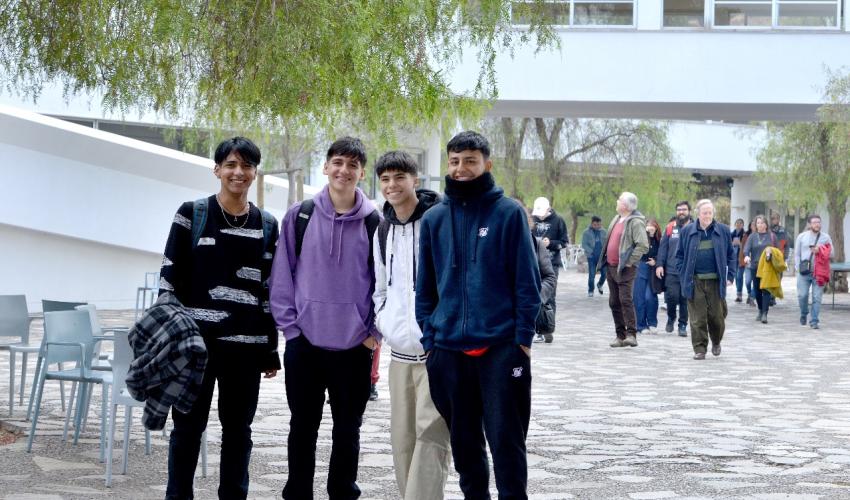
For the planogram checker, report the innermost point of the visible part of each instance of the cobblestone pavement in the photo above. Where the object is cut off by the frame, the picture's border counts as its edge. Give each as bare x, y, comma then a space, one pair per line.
768, 419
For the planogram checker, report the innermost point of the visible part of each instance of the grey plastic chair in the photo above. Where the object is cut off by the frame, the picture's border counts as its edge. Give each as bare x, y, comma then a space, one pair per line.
68, 339
15, 325
50, 306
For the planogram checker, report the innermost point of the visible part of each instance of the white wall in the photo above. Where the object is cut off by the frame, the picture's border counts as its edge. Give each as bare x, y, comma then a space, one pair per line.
45, 266
678, 67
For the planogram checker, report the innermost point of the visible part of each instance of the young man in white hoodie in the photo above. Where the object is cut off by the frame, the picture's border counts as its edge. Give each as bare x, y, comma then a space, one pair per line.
419, 435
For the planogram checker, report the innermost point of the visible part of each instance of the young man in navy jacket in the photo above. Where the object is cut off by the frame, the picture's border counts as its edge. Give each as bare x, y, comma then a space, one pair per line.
477, 296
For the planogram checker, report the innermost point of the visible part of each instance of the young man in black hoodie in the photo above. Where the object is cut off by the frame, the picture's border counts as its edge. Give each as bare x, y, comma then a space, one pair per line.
477, 298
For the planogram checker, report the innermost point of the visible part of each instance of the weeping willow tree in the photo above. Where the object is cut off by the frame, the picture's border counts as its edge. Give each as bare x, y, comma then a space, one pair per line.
271, 65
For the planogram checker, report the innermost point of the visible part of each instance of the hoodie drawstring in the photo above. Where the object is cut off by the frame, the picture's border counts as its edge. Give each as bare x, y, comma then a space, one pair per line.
392, 256
413, 252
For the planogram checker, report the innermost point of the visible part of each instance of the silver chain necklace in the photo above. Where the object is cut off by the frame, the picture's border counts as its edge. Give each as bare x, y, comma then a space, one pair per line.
224, 214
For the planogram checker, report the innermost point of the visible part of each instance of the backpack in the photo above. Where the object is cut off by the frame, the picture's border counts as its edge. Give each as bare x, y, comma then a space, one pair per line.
199, 220
305, 212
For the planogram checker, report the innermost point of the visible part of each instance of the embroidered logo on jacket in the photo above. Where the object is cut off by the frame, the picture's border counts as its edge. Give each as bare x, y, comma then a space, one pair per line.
517, 372
482, 231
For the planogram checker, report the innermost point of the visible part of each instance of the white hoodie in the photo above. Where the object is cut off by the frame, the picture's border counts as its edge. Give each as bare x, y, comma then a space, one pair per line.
395, 297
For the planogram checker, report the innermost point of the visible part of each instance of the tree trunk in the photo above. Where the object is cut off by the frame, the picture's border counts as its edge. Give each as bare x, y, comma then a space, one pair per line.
837, 211
573, 227
549, 144
292, 190
261, 190
513, 152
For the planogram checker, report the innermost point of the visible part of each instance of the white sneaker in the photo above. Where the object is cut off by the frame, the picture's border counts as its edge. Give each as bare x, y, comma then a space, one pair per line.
653, 330
645, 331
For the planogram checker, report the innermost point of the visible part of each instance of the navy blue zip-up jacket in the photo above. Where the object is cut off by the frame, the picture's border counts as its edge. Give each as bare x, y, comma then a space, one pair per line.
725, 256
478, 283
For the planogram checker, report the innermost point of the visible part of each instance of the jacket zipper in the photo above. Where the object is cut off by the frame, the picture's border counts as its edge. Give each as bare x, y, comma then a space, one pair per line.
463, 232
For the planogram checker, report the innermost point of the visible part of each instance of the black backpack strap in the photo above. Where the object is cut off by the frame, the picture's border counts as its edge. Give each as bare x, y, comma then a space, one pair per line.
268, 228
383, 232
372, 222
301, 221
199, 219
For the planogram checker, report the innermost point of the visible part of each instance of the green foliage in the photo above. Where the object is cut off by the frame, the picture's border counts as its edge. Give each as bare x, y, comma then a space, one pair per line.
375, 63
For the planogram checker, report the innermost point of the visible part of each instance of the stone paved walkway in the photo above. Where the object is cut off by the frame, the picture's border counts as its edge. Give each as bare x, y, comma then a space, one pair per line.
768, 419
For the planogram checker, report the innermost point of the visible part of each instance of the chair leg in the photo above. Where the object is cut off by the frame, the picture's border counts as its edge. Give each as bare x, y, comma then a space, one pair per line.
62, 390
11, 382
23, 377
39, 393
104, 407
82, 395
204, 454
147, 442
85, 407
128, 421
68, 412
38, 366
110, 442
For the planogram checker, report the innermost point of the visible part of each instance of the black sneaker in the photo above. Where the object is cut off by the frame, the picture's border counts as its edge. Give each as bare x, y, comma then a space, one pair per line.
548, 338
815, 326
599, 288
803, 320
373, 393
669, 327
683, 331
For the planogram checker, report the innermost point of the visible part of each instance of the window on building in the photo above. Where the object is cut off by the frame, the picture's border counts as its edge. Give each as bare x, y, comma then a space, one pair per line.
684, 13
576, 12
777, 13
558, 13
805, 13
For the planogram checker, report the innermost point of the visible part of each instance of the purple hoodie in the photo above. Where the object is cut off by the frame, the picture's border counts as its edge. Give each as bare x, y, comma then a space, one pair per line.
326, 294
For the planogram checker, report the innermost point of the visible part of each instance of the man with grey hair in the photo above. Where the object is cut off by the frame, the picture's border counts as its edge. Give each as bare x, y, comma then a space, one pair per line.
623, 248
707, 265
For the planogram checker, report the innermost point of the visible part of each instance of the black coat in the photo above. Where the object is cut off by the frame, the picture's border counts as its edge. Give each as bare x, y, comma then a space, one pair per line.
553, 227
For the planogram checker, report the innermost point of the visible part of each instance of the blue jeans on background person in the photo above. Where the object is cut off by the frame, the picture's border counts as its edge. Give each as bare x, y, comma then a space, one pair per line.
646, 302
739, 282
591, 273
748, 280
804, 282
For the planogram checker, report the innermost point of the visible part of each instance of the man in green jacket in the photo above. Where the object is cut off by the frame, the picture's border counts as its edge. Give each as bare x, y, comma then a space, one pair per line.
623, 248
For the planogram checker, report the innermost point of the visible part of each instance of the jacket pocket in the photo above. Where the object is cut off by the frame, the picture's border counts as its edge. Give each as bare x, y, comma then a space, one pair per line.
339, 321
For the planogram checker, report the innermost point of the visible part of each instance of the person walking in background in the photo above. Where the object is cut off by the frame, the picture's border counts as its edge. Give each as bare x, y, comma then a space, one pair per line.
810, 249
753, 249
645, 296
748, 275
591, 242
551, 228
707, 265
737, 245
625, 245
548, 282
667, 269
419, 435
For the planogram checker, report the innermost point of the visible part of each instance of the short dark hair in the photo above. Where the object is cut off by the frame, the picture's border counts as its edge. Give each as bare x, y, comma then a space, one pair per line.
684, 202
351, 147
813, 216
247, 150
469, 141
400, 161
595, 218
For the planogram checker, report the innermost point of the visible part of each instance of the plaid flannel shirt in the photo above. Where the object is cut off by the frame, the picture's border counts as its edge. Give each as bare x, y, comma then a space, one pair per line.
169, 361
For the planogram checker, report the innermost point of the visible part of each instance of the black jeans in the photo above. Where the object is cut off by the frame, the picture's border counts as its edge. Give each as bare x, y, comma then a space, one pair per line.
762, 296
487, 396
238, 391
311, 370
673, 297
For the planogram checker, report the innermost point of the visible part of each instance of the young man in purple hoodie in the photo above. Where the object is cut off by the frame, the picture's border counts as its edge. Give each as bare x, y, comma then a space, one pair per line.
321, 298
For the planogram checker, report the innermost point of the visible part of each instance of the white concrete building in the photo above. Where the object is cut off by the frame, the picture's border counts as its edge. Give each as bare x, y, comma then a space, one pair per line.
88, 211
